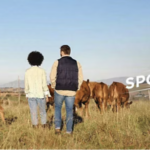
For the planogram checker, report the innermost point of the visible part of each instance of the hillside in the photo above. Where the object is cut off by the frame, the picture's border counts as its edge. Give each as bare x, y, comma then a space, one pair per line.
111, 80
14, 84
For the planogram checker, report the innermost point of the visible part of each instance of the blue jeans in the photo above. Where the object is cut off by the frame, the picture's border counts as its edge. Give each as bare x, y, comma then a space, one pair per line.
33, 103
69, 102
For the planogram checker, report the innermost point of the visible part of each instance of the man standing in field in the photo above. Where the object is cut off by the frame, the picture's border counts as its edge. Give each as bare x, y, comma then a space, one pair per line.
66, 78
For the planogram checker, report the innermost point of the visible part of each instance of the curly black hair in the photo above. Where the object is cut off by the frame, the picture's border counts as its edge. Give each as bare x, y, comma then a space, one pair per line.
35, 58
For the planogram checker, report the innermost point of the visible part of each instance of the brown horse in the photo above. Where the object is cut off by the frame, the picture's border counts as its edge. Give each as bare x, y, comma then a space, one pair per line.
119, 96
83, 97
99, 92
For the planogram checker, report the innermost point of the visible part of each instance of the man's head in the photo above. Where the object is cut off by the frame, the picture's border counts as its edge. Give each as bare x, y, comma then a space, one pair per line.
65, 50
35, 58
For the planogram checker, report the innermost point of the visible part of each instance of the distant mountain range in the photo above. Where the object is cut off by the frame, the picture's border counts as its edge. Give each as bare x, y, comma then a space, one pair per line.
14, 84
117, 79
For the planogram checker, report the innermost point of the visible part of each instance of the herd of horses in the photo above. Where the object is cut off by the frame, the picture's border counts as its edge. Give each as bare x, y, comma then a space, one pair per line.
116, 96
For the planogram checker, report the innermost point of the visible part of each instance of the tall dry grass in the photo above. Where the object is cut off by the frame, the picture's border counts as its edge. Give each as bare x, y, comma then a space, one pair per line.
129, 129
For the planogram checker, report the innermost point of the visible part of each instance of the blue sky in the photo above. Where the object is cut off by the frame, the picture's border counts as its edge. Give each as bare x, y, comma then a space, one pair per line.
110, 38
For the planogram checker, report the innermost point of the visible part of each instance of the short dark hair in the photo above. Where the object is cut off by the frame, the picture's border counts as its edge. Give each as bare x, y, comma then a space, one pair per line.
66, 49
35, 58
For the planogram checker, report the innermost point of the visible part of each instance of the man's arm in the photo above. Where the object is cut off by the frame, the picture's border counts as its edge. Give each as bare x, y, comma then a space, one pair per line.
80, 76
53, 74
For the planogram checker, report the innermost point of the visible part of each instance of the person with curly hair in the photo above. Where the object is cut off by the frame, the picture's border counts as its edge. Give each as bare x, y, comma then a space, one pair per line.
36, 89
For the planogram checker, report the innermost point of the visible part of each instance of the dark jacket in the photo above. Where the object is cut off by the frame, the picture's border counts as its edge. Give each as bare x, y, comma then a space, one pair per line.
67, 74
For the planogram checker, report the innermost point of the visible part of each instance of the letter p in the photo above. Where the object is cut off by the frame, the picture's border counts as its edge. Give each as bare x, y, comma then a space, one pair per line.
138, 81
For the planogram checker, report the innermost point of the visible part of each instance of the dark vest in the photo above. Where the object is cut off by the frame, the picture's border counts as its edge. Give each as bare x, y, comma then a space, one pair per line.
67, 74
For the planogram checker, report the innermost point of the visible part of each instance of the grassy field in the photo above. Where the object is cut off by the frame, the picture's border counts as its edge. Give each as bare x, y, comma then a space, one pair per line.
130, 129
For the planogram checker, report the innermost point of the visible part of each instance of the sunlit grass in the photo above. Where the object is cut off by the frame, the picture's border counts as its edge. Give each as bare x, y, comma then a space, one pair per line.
127, 129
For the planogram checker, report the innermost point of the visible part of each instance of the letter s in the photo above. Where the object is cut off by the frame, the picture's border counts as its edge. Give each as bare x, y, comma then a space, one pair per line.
128, 81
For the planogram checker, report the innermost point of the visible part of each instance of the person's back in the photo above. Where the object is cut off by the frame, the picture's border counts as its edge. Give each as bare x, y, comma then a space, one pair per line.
35, 77
66, 78
67, 74
36, 88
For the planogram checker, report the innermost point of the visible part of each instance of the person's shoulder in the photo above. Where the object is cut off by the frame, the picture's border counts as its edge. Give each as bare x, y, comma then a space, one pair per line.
55, 62
27, 70
79, 65
41, 69
74, 59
